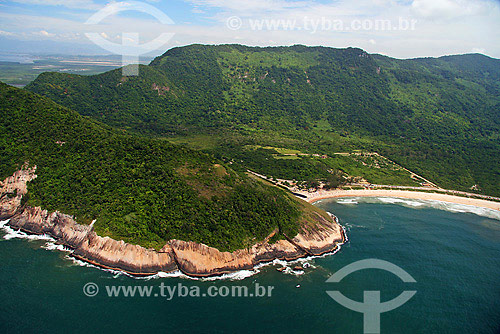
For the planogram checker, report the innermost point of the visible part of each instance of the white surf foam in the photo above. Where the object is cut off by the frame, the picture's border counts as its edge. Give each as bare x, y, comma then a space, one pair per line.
447, 206
393, 200
10, 233
305, 262
238, 275
53, 246
89, 265
454, 207
161, 274
348, 200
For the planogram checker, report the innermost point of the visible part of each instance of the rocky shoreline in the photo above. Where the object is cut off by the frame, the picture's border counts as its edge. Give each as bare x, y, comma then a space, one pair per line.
190, 258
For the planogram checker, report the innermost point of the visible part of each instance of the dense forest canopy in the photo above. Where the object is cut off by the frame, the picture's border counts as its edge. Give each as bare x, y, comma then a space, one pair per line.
142, 190
437, 116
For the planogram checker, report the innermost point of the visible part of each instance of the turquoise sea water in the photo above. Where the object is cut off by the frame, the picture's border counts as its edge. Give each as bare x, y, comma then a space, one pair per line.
454, 257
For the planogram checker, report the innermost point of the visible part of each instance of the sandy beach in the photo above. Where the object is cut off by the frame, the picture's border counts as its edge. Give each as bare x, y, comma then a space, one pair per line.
323, 194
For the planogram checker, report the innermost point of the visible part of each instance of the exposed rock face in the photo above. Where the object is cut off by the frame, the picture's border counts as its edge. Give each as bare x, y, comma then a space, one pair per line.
88, 246
134, 259
189, 257
322, 239
12, 190
61, 227
200, 260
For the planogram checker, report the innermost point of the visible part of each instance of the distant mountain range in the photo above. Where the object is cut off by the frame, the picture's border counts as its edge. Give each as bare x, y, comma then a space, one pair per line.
436, 116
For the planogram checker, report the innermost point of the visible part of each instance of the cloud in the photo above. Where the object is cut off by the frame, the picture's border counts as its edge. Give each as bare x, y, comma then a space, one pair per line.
252, 7
478, 50
44, 33
447, 9
6, 33
197, 10
443, 26
80, 4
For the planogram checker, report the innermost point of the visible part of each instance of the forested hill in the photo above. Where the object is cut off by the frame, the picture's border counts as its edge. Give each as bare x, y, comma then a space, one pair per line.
437, 116
144, 191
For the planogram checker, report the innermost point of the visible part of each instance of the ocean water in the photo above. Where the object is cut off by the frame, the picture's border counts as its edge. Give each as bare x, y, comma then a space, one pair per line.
452, 251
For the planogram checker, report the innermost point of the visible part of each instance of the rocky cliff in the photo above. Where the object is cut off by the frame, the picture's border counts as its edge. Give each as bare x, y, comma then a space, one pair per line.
12, 190
191, 258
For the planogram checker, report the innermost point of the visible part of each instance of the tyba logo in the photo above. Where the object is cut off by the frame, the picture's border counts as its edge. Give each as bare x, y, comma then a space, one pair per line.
371, 307
129, 49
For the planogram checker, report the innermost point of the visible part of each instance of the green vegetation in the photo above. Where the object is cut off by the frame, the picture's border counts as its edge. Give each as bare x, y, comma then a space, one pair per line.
438, 117
375, 169
142, 190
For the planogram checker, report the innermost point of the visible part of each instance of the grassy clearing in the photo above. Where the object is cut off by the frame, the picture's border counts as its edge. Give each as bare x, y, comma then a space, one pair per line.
374, 169
280, 150
286, 157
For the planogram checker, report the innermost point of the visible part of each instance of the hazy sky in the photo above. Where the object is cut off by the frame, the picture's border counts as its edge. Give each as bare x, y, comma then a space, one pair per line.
403, 29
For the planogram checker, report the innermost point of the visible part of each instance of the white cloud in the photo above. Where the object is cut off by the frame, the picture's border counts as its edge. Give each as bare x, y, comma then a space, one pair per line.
443, 27
81, 4
255, 6
44, 33
197, 10
6, 33
447, 9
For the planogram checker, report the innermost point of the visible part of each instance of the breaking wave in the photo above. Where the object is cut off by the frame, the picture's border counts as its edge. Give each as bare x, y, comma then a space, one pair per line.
51, 245
420, 203
10, 233
348, 200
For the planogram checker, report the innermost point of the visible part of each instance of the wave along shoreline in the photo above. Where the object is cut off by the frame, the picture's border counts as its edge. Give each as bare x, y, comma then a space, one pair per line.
416, 203
52, 245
